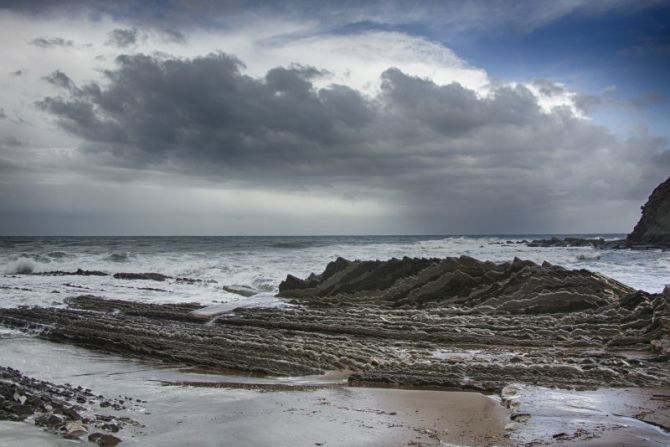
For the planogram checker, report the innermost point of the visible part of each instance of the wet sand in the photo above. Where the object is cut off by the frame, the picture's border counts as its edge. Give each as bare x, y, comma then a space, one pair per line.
323, 410
603, 417
240, 411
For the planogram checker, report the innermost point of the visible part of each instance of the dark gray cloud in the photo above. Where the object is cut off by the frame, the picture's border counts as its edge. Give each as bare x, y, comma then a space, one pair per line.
19, 73
440, 152
171, 35
10, 141
123, 38
60, 79
52, 42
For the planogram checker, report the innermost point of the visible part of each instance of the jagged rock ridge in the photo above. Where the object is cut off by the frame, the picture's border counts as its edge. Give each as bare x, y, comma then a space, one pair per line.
512, 287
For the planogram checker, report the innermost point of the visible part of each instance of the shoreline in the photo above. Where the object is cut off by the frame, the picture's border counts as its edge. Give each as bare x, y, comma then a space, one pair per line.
394, 335
342, 415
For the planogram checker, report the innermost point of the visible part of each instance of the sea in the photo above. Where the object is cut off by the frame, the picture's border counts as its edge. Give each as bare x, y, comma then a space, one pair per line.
221, 264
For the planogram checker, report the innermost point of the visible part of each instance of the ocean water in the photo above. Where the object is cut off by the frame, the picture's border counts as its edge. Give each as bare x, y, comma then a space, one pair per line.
262, 263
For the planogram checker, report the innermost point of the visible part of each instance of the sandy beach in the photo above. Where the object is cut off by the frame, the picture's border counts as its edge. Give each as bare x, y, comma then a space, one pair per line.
247, 411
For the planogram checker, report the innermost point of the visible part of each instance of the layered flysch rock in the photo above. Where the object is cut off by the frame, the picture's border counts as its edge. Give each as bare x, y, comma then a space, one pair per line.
455, 322
517, 287
653, 229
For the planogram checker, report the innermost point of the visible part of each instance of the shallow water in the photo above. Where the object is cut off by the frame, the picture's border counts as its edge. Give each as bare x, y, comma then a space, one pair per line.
262, 263
603, 417
329, 413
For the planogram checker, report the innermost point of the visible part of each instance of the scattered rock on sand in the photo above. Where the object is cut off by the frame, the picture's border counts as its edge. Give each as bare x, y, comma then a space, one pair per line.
53, 407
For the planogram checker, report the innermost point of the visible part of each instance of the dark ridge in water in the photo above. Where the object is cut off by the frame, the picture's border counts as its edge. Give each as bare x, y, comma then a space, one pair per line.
298, 243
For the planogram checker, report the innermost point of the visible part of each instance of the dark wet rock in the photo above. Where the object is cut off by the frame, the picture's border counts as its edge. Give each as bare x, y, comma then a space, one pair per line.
51, 406
450, 323
195, 281
578, 242
114, 428
520, 417
52, 421
179, 311
144, 276
653, 229
78, 272
71, 413
104, 440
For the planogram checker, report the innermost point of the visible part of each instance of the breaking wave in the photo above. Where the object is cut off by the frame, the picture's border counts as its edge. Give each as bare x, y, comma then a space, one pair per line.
119, 257
20, 267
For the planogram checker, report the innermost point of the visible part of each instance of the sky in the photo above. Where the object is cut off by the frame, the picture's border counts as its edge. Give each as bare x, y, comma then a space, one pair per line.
312, 117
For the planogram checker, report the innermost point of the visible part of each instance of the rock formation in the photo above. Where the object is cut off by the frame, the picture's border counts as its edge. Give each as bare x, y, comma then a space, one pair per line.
517, 287
653, 229
451, 323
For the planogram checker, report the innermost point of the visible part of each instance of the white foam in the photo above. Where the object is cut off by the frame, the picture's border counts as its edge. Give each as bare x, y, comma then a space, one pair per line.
263, 264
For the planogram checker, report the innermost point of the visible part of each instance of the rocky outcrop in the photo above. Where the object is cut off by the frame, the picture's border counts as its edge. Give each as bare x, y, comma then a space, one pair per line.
578, 242
517, 287
451, 323
653, 229
142, 276
78, 272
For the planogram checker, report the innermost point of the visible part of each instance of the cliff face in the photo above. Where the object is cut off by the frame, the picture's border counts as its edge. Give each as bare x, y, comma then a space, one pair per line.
654, 226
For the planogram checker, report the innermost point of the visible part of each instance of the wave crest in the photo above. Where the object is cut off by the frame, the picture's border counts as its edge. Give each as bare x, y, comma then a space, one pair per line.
20, 267
119, 257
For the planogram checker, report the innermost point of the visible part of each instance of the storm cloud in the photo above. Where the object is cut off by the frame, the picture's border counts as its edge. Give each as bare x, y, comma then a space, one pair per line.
438, 151
326, 117
123, 38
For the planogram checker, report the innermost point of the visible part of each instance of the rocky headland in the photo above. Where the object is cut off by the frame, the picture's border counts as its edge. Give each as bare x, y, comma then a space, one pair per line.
654, 226
651, 231
454, 323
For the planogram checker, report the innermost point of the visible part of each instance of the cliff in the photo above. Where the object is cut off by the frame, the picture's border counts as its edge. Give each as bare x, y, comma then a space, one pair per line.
654, 225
